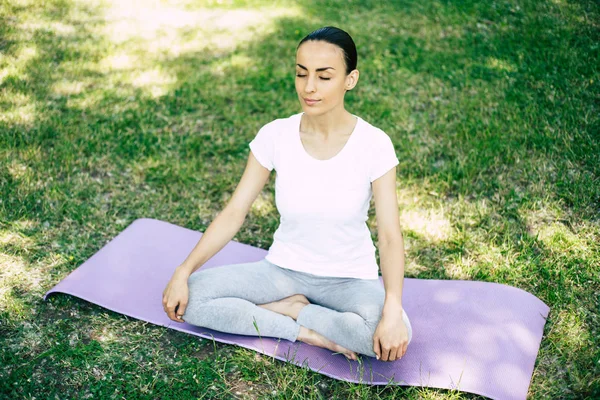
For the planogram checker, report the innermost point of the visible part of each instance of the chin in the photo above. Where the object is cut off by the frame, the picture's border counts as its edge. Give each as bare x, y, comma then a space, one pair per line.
312, 110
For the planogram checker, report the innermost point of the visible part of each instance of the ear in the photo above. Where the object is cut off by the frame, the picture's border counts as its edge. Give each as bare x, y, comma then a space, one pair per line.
352, 79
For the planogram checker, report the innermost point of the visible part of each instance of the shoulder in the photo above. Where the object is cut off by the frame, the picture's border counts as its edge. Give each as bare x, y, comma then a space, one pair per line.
373, 136
280, 125
379, 151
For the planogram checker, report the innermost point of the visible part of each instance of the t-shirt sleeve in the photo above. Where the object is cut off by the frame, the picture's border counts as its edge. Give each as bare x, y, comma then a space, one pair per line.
383, 156
263, 147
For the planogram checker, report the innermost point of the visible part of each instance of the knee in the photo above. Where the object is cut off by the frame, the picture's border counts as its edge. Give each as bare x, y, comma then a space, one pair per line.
362, 341
371, 313
201, 287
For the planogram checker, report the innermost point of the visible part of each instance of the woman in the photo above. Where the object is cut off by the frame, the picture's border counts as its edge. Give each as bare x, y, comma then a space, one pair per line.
319, 282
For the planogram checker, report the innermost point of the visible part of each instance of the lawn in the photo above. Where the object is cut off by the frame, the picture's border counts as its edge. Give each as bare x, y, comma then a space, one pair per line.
116, 110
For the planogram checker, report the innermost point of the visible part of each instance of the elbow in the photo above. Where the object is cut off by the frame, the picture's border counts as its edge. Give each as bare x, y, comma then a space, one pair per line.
234, 213
391, 240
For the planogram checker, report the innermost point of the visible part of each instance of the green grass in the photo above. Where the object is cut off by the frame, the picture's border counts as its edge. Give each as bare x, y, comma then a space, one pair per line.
110, 113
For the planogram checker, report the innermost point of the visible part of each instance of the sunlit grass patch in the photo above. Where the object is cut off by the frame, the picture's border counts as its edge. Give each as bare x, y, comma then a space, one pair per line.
18, 107
430, 224
263, 205
570, 330
558, 237
501, 65
15, 277
160, 25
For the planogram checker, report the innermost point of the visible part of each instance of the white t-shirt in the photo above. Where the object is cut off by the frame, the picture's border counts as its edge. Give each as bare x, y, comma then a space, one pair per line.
324, 203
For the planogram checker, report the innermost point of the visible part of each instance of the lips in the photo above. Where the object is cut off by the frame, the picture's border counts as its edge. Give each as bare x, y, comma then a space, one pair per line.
311, 102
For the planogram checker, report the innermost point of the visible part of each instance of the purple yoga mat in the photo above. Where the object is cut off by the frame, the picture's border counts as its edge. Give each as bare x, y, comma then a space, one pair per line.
472, 336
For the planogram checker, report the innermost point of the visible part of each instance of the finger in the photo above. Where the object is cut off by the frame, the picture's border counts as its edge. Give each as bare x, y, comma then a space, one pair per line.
404, 348
181, 310
392, 355
398, 352
376, 347
171, 312
385, 353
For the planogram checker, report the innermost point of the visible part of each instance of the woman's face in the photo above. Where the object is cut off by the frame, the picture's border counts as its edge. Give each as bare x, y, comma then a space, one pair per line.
321, 77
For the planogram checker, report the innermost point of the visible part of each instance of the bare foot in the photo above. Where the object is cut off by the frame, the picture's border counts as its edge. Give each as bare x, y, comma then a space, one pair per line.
311, 337
289, 306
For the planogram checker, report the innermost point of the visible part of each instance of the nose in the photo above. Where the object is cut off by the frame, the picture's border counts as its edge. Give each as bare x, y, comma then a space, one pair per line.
310, 85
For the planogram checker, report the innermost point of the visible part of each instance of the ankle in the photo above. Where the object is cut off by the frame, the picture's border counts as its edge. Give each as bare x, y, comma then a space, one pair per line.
305, 334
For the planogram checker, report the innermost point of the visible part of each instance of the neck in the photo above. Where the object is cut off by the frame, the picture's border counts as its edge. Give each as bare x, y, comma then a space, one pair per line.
330, 123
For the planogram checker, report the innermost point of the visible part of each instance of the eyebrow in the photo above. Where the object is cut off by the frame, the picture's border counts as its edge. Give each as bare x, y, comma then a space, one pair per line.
318, 69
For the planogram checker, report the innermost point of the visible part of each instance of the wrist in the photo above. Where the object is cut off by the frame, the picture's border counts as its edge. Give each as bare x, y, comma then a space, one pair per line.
392, 303
183, 271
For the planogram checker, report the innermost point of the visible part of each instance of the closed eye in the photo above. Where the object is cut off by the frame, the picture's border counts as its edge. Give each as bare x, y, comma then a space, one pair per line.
302, 76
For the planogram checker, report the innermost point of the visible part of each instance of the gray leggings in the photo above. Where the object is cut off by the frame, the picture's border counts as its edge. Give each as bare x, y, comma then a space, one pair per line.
344, 310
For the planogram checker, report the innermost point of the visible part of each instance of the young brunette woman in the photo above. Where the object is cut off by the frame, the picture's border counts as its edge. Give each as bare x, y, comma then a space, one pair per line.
319, 282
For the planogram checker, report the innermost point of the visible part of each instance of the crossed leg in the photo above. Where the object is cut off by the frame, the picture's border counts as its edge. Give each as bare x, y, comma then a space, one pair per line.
226, 299
291, 306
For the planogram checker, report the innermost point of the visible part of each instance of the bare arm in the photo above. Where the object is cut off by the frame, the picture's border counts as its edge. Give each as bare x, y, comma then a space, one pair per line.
391, 336
217, 235
391, 243
225, 226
